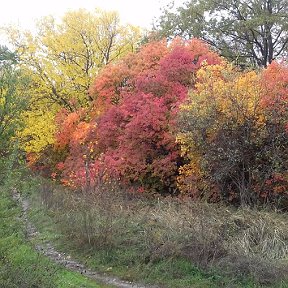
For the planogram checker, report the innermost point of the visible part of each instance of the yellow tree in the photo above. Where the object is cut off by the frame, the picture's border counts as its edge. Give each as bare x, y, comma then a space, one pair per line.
223, 130
61, 57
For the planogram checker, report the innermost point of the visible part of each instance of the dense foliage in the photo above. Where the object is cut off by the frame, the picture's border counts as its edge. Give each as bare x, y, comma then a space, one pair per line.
60, 58
130, 131
226, 141
234, 133
13, 102
169, 117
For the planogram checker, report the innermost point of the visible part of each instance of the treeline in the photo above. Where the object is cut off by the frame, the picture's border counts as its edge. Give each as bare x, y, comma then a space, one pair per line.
169, 116
178, 119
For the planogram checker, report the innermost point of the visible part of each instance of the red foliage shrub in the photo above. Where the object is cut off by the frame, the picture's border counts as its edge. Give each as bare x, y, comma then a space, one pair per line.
131, 128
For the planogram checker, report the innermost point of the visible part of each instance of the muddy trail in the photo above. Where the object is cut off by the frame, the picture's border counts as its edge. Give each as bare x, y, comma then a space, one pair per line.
47, 248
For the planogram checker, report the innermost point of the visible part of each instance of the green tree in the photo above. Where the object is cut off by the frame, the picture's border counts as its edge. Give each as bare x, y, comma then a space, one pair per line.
246, 31
13, 100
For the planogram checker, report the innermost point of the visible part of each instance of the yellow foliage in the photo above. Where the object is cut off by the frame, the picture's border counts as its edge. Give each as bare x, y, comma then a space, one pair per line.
233, 94
62, 58
38, 132
221, 95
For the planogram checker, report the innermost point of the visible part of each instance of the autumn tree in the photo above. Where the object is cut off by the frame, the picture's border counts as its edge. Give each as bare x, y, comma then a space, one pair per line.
234, 147
61, 57
247, 32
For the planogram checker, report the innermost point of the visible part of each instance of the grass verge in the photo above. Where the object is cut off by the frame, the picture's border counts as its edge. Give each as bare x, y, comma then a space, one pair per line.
20, 265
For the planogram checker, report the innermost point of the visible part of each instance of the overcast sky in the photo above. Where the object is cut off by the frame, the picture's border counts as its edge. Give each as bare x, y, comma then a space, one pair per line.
25, 12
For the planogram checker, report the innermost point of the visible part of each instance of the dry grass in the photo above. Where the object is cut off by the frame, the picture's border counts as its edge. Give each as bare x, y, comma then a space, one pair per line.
240, 243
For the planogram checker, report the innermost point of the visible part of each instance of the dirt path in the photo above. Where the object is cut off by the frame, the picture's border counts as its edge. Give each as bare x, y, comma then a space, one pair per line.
49, 250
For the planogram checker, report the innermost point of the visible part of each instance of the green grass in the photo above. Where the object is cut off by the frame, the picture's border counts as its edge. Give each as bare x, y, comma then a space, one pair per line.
20, 265
170, 273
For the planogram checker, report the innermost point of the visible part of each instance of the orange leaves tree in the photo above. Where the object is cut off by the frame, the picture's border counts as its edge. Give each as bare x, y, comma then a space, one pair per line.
130, 127
233, 135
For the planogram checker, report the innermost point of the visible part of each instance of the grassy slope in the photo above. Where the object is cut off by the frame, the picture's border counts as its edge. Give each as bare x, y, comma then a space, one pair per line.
121, 262
127, 262
20, 264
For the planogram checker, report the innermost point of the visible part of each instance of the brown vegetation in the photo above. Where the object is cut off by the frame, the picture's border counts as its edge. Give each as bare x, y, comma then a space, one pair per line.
241, 243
